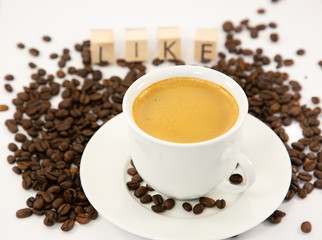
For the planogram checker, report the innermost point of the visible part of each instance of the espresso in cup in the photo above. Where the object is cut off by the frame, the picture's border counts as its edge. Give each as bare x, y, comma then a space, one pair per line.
185, 110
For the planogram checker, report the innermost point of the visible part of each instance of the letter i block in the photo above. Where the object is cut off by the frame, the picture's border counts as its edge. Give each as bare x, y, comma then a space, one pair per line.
206, 45
169, 45
102, 46
136, 44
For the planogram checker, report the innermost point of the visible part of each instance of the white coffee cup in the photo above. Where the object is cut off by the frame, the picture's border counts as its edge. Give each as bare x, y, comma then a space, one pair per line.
189, 170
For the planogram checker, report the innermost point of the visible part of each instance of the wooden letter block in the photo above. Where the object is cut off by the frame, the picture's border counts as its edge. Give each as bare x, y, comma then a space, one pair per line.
136, 45
206, 45
169, 45
102, 46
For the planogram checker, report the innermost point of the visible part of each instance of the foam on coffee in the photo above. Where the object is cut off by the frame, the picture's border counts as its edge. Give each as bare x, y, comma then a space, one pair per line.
185, 110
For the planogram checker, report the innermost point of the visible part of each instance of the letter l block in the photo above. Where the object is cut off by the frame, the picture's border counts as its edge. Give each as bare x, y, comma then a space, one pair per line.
102, 46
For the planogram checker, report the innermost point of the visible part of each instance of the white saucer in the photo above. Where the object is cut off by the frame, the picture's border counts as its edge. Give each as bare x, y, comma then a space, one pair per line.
103, 175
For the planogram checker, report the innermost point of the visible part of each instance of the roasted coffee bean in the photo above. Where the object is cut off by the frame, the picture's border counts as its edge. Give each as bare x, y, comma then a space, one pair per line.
137, 178
34, 52
140, 191
82, 218
198, 208
309, 165
315, 146
236, 178
46, 38
306, 227
220, 203
207, 202
48, 197
228, 26
30, 202
302, 193
12, 147
169, 203
23, 213
187, 206
298, 145
304, 176
300, 52
48, 221
276, 217
21, 45
8, 87
158, 208
318, 184
132, 171
146, 199
39, 203
64, 209
19, 137
318, 174
9, 77
274, 37
68, 225
308, 187
132, 185
157, 199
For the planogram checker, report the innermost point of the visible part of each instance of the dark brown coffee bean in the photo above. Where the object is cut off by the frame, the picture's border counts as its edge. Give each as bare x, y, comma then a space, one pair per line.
304, 176
21, 45
236, 178
290, 194
158, 208
198, 208
309, 165
288, 62
228, 26
19, 137
8, 87
207, 202
169, 203
23, 213
157, 199
48, 197
30, 202
140, 191
92, 213
146, 199
187, 206
298, 145
39, 203
274, 37
300, 52
261, 11
82, 218
220, 203
318, 174
302, 193
63, 209
137, 178
34, 52
318, 184
48, 221
9, 77
315, 146
132, 185
306, 227
60, 74
68, 225
308, 187
46, 38
12, 147
132, 171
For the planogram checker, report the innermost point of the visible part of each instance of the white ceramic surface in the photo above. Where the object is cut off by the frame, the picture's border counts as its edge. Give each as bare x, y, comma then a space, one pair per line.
103, 175
171, 167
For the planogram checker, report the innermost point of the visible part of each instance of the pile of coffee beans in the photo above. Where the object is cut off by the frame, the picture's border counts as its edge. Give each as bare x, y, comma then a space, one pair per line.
146, 194
50, 140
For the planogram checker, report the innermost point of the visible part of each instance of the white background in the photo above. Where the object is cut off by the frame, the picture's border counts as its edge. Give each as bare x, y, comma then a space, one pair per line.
70, 21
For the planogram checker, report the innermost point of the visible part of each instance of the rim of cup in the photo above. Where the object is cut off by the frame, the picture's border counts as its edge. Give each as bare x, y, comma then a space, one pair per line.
185, 71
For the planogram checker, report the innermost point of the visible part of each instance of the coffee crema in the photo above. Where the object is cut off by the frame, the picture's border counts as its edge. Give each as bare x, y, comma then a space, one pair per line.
185, 110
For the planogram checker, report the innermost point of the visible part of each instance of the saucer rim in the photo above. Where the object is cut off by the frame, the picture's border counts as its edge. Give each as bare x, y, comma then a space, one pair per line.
135, 209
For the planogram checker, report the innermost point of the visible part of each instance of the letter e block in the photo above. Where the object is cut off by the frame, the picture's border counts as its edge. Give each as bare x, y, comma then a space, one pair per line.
169, 45
102, 46
206, 45
136, 45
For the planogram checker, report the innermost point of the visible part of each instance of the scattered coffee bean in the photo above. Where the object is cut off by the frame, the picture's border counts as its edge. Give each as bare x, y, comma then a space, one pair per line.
68, 225
300, 52
306, 227
169, 203
9, 77
207, 202
141, 191
32, 65
158, 208
3, 107
198, 208
82, 218
146, 199
49, 221
274, 37
187, 206
315, 100
236, 178
261, 11
23, 213
53, 56
21, 45
157, 199
276, 217
308, 187
220, 203
34, 52
46, 38
8, 87
272, 25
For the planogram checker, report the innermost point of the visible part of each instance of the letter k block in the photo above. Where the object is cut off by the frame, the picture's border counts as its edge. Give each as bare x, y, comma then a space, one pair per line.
169, 45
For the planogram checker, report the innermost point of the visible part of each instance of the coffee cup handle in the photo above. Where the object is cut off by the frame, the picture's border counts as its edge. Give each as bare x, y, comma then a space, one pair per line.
248, 169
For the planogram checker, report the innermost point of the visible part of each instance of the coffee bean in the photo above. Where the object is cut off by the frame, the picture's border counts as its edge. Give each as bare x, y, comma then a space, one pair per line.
318, 184
82, 218
21, 45
46, 38
304, 176
318, 174
276, 217
63, 209
146, 199
132, 171
136, 178
23, 213
9, 77
30, 202
207, 202
8, 87
261, 11
308, 187
228, 26
306, 227
132, 185
187, 206
157, 199
34, 52
39, 203
315, 146
309, 165
302, 193
158, 208
198, 208
4, 108
236, 178
140, 191
169, 203
68, 225
274, 37
92, 213
12, 147
220, 203
48, 221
